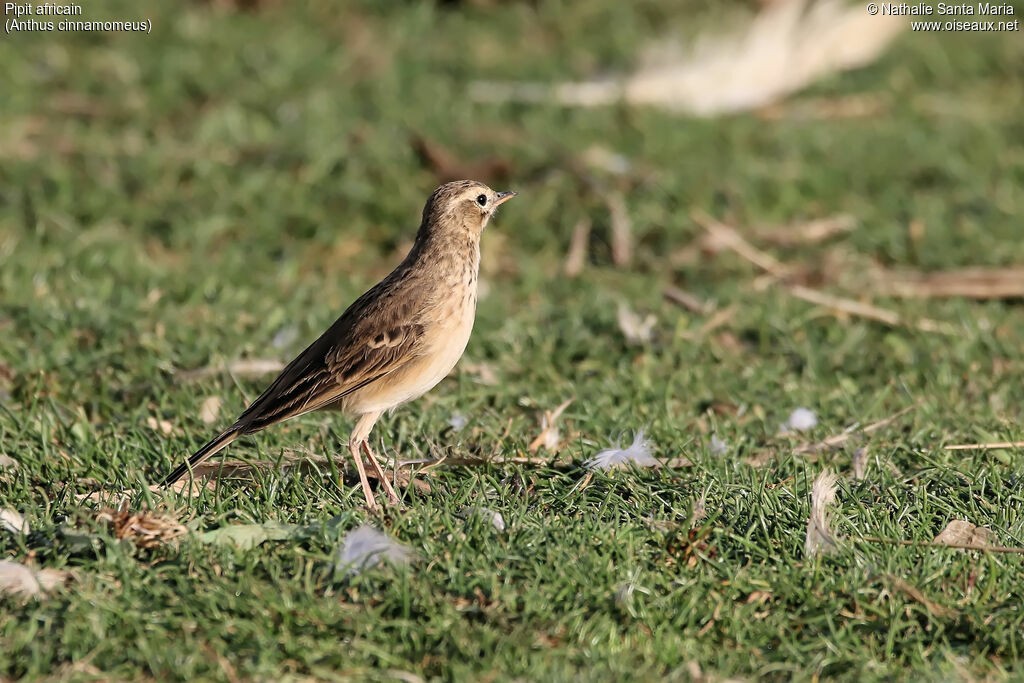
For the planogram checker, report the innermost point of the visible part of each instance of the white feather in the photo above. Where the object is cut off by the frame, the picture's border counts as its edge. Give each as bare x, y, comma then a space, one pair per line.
820, 537
11, 520
637, 453
800, 420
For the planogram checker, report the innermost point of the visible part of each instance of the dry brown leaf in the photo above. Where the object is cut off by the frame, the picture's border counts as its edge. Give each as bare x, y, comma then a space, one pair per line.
145, 529
190, 487
210, 409
962, 533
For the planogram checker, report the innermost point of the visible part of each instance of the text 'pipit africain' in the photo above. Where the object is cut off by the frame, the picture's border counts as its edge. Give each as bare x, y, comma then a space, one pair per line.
394, 343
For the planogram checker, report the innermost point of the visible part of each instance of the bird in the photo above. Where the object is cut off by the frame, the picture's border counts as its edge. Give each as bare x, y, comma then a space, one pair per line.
393, 344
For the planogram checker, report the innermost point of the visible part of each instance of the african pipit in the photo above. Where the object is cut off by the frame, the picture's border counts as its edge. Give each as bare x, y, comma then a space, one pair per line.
394, 343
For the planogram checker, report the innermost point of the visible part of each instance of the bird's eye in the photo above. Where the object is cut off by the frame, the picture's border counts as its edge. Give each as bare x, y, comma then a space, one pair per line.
482, 200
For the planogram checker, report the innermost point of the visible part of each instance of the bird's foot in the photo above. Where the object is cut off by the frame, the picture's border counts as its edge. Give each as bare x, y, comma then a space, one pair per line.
371, 502
393, 498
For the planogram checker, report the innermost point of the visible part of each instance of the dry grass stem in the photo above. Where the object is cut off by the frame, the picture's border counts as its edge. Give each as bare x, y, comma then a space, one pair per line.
861, 105
926, 544
983, 446
810, 232
837, 440
251, 367
683, 298
724, 236
576, 257
621, 228
862, 310
970, 283
727, 237
934, 608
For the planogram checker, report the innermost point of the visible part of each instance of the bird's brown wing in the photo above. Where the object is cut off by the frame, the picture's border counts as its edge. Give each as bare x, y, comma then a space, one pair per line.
377, 335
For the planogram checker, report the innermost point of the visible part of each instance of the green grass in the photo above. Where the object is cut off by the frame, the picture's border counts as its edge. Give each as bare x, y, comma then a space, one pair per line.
181, 199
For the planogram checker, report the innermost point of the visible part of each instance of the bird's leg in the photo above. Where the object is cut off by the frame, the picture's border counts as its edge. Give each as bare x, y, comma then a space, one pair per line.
371, 502
388, 488
360, 434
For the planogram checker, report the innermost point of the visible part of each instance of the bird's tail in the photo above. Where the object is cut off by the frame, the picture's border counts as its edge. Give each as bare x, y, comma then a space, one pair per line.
202, 454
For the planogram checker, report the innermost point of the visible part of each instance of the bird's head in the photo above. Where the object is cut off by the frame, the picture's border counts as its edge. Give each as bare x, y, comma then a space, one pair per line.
463, 206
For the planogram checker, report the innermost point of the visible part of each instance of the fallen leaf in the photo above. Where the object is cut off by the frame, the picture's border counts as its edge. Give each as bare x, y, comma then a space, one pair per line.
961, 532
210, 408
248, 536
145, 529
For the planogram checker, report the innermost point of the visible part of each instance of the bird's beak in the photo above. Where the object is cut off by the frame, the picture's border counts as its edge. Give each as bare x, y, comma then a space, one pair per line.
504, 197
